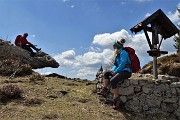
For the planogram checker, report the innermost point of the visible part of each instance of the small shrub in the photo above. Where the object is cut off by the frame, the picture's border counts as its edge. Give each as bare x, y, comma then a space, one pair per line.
33, 101
10, 92
37, 78
174, 70
50, 116
24, 69
9, 66
164, 69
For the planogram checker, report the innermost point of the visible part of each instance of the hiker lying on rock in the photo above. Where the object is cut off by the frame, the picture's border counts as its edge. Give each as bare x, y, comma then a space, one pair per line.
119, 72
22, 42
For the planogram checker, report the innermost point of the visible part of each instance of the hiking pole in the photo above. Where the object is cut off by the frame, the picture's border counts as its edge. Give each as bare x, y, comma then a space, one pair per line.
12, 75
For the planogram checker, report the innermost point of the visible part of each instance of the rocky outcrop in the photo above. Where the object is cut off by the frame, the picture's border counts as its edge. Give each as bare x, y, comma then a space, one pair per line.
55, 75
42, 59
148, 96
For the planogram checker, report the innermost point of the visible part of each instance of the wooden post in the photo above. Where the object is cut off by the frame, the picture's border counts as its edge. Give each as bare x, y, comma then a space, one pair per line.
155, 41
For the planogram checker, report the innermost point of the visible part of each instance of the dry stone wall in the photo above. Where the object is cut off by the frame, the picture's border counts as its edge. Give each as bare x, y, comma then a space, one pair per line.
149, 96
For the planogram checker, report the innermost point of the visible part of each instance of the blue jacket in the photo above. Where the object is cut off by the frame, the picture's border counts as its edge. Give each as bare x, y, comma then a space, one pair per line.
120, 62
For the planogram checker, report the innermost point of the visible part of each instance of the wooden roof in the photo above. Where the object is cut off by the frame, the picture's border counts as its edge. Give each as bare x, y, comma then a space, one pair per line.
167, 28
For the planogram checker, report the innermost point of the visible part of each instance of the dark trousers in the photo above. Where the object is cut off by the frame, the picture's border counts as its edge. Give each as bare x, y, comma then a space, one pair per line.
28, 48
117, 78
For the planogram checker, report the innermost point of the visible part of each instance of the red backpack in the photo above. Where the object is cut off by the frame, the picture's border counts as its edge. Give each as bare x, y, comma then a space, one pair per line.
135, 63
17, 40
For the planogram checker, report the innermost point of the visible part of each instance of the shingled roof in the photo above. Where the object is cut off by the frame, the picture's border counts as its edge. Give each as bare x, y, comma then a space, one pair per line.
167, 28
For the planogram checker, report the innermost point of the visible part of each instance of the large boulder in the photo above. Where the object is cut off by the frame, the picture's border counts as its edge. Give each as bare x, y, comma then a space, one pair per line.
41, 60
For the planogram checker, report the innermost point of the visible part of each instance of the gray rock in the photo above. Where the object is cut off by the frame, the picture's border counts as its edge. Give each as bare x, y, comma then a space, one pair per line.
142, 98
137, 89
153, 111
178, 91
177, 112
168, 107
134, 82
126, 91
123, 98
159, 89
148, 89
170, 100
23, 55
173, 91
126, 83
175, 85
153, 100
145, 107
168, 93
133, 105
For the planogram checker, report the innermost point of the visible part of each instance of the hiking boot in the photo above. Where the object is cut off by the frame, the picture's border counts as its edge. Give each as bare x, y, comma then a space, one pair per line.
104, 91
38, 49
116, 103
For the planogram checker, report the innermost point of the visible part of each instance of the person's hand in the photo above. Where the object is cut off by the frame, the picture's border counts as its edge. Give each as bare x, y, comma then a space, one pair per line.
112, 72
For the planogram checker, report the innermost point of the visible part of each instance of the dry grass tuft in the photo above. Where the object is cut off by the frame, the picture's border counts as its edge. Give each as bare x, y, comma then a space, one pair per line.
50, 117
9, 66
37, 79
10, 92
33, 101
167, 65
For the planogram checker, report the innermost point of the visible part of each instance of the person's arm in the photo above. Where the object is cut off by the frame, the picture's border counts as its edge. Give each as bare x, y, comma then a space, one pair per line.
113, 68
27, 42
122, 61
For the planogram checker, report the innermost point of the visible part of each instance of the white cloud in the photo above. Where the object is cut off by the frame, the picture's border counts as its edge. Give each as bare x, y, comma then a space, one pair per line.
123, 3
86, 71
88, 63
46, 73
65, 0
33, 36
72, 6
174, 17
100, 52
147, 15
107, 39
68, 54
143, 0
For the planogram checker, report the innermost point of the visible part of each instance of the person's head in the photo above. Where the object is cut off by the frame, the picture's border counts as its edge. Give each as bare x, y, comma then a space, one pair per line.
25, 35
118, 44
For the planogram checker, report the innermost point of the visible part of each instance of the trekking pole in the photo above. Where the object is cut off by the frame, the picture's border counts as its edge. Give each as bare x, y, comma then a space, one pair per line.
12, 75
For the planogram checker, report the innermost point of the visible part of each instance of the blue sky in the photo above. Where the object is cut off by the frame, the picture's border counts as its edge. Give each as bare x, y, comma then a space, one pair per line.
79, 33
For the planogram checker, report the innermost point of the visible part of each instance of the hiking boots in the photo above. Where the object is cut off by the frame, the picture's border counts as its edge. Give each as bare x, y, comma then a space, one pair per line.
38, 49
117, 102
104, 91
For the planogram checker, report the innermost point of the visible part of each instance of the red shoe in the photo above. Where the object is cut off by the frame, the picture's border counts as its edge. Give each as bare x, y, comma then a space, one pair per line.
116, 103
104, 91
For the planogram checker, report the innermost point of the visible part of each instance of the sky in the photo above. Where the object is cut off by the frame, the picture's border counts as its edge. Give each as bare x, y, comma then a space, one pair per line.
79, 34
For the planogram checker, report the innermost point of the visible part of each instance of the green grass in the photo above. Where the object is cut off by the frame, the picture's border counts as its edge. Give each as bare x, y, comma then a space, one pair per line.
43, 100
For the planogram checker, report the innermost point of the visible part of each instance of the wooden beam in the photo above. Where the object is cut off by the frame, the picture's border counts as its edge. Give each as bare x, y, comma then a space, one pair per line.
148, 40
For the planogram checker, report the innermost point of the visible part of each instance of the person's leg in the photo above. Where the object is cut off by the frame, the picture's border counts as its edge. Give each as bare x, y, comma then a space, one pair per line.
27, 47
34, 47
107, 75
104, 89
114, 84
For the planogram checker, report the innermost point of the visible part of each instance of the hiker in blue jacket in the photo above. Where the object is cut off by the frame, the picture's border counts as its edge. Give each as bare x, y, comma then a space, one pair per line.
119, 72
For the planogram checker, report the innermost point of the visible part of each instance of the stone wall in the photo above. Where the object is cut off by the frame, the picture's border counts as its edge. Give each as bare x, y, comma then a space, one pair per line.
147, 96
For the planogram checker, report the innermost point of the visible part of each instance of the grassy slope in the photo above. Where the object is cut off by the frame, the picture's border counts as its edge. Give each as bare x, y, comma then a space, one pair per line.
169, 65
79, 104
43, 100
